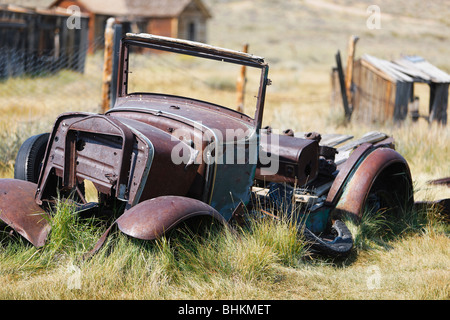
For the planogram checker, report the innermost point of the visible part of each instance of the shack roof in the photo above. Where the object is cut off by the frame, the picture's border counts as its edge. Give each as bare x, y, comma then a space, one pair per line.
29, 3
405, 69
39, 9
143, 8
385, 69
418, 67
165, 8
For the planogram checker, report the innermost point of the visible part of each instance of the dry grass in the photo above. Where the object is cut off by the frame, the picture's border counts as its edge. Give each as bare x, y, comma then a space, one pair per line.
266, 261
299, 40
409, 270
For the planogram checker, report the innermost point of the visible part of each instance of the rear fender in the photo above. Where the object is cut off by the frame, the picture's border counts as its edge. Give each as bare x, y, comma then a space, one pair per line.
19, 210
153, 218
360, 181
345, 170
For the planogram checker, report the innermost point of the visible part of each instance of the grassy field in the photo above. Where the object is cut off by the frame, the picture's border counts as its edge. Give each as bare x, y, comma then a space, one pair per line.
266, 260
408, 260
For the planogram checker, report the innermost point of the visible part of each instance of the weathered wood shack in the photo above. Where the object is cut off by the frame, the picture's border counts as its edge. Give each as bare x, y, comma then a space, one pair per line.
186, 19
384, 90
423, 71
38, 41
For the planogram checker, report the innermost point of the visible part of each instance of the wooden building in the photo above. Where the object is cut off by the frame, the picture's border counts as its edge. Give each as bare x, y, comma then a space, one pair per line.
186, 19
380, 92
423, 71
36, 41
384, 90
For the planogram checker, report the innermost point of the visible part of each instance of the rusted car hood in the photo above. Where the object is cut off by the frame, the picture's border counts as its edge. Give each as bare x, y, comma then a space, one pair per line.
194, 112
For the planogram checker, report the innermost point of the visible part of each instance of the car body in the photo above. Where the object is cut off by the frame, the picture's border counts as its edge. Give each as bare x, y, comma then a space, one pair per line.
168, 158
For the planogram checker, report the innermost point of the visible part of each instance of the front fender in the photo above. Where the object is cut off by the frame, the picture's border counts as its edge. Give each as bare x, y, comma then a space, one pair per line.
153, 218
19, 210
355, 189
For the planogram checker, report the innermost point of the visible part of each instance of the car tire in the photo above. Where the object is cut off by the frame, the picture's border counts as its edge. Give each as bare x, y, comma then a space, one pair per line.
29, 158
392, 193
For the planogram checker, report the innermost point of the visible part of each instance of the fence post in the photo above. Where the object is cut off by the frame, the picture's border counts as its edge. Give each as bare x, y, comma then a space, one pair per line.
107, 64
349, 73
347, 110
240, 86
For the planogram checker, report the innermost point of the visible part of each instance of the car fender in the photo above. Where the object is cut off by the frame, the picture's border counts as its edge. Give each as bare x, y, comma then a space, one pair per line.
354, 189
151, 219
19, 210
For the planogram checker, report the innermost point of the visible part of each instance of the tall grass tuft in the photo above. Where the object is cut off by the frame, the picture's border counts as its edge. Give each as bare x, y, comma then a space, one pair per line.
188, 264
283, 237
70, 233
377, 230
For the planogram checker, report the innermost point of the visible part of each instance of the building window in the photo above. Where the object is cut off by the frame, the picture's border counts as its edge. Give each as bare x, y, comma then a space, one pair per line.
191, 31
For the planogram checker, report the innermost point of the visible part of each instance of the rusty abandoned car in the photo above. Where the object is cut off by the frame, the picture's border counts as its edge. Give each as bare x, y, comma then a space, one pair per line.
170, 158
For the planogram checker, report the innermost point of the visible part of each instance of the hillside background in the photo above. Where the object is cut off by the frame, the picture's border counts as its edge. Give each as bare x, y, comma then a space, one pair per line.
304, 33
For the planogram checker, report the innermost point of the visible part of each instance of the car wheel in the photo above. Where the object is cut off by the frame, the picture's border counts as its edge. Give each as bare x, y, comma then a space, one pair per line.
29, 158
391, 194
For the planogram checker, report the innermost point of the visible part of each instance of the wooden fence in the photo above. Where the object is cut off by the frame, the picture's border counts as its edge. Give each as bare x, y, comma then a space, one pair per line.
38, 42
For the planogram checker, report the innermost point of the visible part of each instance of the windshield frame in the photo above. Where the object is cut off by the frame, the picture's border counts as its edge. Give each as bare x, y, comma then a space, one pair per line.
195, 49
